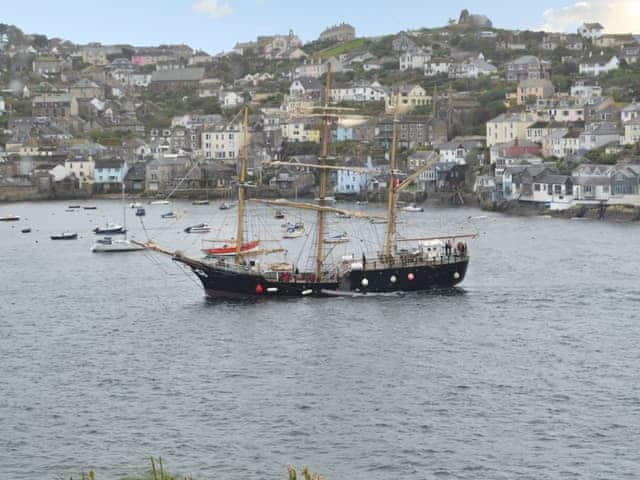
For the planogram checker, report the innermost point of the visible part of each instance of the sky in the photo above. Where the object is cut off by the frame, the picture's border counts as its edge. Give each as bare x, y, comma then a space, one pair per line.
216, 25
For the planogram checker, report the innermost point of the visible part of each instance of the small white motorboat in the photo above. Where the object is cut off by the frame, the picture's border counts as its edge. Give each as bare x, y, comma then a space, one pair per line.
65, 236
413, 208
110, 229
160, 202
327, 200
110, 245
9, 218
135, 205
294, 231
339, 238
342, 215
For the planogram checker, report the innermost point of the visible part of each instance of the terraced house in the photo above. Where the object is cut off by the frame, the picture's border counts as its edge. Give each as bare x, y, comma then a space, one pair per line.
222, 142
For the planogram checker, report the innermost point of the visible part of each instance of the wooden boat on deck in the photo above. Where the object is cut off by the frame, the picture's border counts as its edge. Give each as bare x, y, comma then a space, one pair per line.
229, 250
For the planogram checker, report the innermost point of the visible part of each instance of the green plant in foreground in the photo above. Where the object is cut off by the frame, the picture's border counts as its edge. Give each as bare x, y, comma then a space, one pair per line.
158, 472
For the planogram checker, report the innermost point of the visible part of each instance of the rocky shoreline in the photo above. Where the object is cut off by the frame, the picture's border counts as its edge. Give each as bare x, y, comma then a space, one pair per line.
612, 213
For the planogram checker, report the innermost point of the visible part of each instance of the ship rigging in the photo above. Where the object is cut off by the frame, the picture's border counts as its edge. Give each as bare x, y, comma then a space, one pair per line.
235, 269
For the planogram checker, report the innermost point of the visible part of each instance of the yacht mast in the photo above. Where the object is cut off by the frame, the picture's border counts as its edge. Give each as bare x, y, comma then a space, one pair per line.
391, 199
241, 185
323, 176
124, 211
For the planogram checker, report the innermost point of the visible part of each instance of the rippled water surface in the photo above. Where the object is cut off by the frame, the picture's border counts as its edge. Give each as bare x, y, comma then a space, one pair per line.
530, 370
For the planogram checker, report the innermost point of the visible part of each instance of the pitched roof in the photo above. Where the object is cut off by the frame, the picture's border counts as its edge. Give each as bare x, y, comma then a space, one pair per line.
531, 82
526, 59
193, 74
108, 163
309, 83
599, 58
602, 128
552, 178
632, 107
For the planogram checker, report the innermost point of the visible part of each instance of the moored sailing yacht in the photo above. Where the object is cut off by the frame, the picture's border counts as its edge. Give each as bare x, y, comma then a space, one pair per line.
426, 263
109, 244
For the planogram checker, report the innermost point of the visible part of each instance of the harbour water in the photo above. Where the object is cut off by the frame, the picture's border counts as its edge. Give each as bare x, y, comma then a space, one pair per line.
529, 370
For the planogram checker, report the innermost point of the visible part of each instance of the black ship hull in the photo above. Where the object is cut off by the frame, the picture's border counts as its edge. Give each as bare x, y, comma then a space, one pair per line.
226, 283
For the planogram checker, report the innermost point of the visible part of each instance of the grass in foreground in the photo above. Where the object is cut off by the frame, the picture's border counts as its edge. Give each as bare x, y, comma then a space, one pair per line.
158, 472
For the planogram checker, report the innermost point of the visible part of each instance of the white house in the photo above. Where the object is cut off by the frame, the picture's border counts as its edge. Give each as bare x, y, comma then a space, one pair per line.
471, 68
230, 99
300, 130
58, 173
304, 86
222, 143
551, 188
562, 111
632, 132
359, 92
437, 66
414, 60
592, 182
596, 64
456, 150
599, 134
630, 112
591, 30
507, 127
82, 168
2, 106
351, 183
311, 68
420, 158
585, 89
142, 80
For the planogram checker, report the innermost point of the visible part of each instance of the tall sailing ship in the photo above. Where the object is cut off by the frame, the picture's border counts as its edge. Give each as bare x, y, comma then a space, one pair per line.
240, 268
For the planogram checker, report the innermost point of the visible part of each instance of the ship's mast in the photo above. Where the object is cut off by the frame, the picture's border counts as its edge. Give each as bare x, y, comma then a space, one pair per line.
323, 176
241, 184
391, 198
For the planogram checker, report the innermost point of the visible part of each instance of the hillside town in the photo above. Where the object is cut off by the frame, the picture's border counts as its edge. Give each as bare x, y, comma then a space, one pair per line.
503, 117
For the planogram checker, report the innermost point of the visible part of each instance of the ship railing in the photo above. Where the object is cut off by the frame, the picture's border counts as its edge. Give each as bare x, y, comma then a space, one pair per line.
299, 277
230, 266
400, 261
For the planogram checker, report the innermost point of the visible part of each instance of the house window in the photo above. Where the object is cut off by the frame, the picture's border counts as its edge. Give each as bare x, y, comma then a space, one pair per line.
536, 187
557, 189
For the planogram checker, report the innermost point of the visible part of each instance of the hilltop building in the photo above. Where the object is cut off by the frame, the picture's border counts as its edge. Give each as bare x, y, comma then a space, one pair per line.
474, 20
591, 30
338, 33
